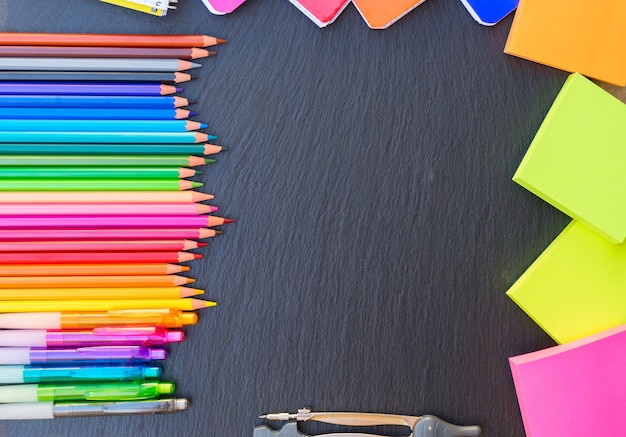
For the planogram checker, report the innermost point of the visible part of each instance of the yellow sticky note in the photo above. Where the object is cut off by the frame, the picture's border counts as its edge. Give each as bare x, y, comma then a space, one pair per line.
577, 160
582, 36
576, 287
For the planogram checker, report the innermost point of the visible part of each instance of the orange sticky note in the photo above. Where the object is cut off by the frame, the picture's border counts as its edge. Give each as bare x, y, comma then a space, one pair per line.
582, 36
382, 14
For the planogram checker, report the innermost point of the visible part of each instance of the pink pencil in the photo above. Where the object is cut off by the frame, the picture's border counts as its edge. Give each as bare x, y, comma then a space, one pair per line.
99, 209
103, 196
106, 234
96, 257
100, 246
108, 222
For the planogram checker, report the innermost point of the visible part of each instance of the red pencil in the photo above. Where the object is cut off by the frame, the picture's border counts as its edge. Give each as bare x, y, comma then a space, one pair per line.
96, 257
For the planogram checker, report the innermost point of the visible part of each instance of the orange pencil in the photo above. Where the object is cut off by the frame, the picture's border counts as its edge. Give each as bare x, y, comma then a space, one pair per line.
98, 293
147, 269
106, 40
93, 281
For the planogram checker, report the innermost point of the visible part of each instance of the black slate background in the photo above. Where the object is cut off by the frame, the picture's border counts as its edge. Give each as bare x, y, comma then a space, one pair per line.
377, 224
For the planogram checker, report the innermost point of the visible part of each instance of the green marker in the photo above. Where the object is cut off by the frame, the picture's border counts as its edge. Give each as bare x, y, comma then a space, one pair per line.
104, 391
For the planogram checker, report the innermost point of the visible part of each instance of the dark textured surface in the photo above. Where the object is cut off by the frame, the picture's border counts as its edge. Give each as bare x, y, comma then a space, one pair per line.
377, 224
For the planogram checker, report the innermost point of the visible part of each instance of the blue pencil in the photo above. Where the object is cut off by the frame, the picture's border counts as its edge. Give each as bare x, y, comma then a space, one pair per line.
104, 137
31, 101
86, 89
100, 125
96, 113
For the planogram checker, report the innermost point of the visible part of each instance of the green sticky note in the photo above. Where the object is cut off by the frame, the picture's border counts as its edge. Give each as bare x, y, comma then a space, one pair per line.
577, 160
576, 287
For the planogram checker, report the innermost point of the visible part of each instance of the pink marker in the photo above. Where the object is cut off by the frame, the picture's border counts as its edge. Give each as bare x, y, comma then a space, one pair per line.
108, 336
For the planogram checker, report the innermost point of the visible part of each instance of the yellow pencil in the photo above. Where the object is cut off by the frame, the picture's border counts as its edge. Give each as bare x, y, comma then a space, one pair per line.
137, 7
23, 306
98, 293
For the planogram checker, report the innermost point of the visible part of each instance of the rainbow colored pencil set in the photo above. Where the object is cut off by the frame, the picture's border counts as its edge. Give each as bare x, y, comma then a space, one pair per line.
99, 214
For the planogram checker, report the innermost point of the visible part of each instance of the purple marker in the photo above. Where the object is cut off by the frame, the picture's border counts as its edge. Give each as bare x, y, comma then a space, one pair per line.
93, 355
106, 336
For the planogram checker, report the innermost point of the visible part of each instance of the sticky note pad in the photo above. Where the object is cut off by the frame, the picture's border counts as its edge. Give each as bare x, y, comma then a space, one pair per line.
576, 287
577, 160
221, 7
382, 14
582, 36
574, 390
321, 12
489, 12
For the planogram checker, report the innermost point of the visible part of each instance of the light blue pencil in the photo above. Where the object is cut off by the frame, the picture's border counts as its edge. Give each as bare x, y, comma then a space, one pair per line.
104, 137
100, 125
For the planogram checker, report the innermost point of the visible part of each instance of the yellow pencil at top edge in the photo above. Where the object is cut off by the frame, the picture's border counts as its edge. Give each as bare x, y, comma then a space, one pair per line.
185, 304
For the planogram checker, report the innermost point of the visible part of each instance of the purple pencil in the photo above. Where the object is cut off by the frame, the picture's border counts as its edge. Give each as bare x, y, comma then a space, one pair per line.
86, 89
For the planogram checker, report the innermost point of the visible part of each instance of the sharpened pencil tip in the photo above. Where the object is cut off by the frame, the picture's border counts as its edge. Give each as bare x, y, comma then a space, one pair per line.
227, 221
220, 40
201, 244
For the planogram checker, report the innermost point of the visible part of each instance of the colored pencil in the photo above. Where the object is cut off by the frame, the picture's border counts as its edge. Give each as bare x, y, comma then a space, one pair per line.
74, 137
128, 269
97, 185
96, 113
100, 246
86, 89
106, 40
104, 209
106, 234
125, 102
96, 257
96, 64
117, 149
93, 281
94, 76
34, 172
184, 304
104, 222
103, 197
97, 293
52, 125
107, 160
105, 52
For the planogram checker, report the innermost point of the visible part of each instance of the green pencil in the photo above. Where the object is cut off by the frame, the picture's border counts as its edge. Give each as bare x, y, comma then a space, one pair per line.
97, 185
104, 160
90, 173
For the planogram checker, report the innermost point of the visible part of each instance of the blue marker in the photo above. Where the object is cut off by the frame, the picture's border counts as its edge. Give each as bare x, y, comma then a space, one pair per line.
35, 374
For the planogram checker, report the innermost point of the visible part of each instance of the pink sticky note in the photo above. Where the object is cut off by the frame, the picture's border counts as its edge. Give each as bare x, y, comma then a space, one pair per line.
382, 14
221, 7
321, 12
575, 389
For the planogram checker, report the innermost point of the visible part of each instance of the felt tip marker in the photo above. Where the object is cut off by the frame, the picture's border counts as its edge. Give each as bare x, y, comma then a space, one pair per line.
76, 373
113, 335
102, 391
53, 410
166, 317
81, 355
